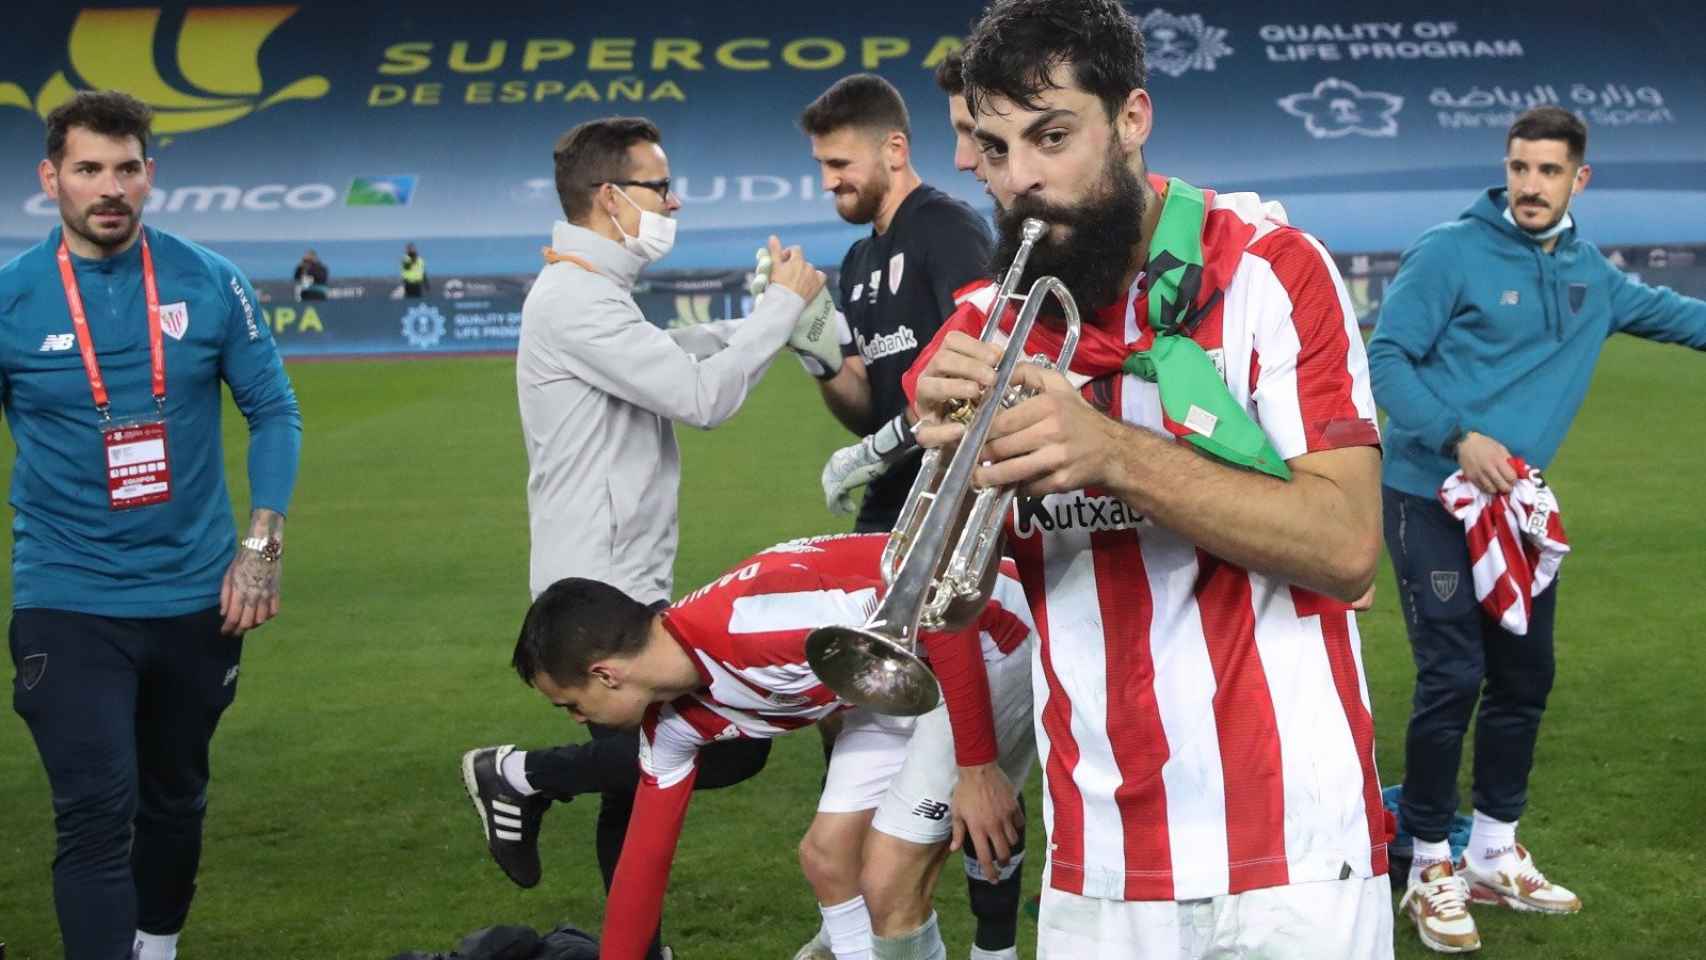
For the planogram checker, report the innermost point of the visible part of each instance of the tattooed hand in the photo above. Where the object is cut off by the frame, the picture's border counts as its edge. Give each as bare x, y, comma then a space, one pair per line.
249, 596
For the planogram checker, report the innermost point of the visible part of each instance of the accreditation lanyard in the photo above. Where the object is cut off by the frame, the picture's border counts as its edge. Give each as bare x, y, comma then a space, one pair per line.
138, 469
85, 343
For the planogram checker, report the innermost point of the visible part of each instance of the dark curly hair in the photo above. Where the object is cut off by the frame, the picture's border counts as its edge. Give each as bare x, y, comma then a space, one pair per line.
1018, 42
110, 113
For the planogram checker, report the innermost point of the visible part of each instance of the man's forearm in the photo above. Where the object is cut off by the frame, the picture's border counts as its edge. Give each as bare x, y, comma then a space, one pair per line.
848, 397
635, 904
1317, 532
275, 446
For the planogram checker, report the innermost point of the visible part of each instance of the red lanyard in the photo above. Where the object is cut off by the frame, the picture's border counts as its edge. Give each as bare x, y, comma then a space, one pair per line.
80, 323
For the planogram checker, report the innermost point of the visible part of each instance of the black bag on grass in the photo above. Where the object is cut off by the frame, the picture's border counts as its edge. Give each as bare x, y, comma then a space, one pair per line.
518, 943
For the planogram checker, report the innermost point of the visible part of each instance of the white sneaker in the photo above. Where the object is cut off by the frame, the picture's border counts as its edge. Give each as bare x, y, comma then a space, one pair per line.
1439, 904
1515, 882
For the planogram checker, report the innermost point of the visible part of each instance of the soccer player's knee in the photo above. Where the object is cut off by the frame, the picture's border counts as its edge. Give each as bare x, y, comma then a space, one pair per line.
823, 864
896, 891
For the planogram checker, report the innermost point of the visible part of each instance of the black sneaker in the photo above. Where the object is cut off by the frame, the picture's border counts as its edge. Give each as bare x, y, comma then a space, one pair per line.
510, 820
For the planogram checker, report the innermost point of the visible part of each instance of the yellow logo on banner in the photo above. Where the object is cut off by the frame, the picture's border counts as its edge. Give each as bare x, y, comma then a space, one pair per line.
218, 53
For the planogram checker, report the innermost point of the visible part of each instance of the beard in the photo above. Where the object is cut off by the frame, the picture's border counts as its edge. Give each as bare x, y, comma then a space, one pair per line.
107, 238
1101, 232
1556, 215
864, 201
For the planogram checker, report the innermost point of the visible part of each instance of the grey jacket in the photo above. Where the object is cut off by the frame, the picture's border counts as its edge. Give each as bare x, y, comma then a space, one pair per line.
600, 388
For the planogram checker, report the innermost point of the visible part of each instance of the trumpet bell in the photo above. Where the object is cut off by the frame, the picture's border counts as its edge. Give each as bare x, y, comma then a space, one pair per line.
867, 669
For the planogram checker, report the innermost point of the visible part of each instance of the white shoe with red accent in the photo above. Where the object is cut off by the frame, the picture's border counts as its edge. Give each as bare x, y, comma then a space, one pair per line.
1514, 881
1439, 905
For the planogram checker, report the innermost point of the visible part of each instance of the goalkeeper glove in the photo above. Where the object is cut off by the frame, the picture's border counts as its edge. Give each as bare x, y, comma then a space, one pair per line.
855, 465
819, 333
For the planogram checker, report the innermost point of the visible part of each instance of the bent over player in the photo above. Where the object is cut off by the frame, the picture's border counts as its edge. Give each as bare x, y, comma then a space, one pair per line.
728, 662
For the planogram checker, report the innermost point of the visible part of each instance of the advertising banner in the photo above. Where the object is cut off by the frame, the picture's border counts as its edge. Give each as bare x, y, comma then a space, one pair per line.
354, 128
369, 316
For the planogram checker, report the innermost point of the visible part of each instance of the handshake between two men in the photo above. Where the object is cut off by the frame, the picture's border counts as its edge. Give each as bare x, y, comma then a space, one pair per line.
819, 340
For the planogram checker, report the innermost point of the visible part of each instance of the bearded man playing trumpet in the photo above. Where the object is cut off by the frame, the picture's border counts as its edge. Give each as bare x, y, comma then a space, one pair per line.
1198, 507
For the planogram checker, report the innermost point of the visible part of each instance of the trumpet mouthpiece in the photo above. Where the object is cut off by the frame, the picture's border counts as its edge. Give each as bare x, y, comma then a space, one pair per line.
1032, 230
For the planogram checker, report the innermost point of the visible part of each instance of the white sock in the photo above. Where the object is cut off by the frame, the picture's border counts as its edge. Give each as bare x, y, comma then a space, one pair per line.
1491, 841
153, 946
924, 943
514, 770
849, 928
1427, 853
978, 953
821, 938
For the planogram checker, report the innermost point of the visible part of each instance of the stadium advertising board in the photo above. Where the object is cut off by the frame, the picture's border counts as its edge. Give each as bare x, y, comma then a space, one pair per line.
355, 128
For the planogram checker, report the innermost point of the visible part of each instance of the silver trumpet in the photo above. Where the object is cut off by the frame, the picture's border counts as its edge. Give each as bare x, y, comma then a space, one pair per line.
931, 587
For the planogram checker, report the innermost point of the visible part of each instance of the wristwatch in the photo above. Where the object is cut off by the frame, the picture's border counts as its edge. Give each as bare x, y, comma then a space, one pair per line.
270, 548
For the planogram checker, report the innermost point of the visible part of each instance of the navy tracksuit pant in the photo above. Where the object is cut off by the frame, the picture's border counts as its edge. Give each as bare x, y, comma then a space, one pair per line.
1462, 655
122, 712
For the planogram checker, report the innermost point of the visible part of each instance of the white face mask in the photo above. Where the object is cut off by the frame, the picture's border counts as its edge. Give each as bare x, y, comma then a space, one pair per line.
657, 233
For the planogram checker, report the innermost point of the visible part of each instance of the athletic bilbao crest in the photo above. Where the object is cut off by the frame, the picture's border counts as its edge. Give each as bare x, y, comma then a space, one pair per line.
31, 669
1578, 296
175, 319
1444, 584
897, 263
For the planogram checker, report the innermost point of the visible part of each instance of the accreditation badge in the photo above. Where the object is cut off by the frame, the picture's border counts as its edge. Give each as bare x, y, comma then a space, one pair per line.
139, 474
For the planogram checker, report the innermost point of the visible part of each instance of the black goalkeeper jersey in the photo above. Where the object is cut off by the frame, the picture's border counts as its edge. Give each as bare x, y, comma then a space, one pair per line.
896, 289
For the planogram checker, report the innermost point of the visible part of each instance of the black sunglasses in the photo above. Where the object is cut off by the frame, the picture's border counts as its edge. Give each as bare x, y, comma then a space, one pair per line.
661, 186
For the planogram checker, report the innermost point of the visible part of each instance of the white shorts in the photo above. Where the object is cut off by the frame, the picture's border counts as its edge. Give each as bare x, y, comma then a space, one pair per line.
867, 755
917, 804
1343, 919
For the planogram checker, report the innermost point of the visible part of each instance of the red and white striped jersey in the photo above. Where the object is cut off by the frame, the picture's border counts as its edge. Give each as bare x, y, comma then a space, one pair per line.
1516, 541
747, 631
1204, 729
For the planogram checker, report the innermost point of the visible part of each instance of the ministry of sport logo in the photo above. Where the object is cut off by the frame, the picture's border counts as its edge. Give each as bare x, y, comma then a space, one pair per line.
388, 191
1174, 44
218, 59
423, 326
1337, 108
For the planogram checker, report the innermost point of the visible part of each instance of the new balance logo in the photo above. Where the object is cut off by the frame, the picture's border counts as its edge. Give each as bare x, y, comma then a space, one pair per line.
931, 809
230, 677
58, 341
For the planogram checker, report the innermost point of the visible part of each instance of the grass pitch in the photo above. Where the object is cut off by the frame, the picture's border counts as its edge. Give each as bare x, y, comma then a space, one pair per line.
337, 826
